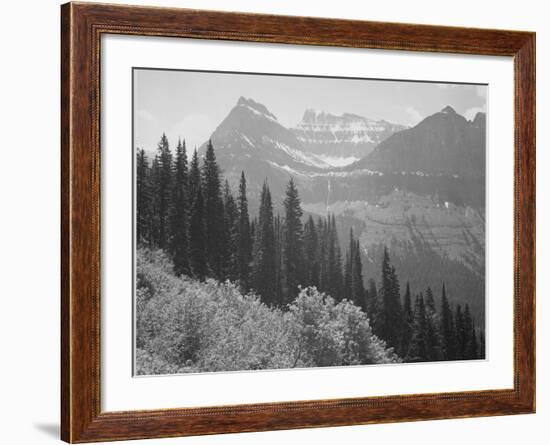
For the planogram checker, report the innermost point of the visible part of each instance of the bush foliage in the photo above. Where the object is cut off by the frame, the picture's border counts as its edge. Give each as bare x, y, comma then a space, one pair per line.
184, 325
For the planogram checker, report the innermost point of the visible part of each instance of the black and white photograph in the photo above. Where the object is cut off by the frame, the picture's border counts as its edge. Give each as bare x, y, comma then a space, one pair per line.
285, 222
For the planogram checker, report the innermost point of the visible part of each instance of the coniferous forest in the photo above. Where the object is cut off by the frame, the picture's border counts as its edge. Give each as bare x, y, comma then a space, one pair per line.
220, 289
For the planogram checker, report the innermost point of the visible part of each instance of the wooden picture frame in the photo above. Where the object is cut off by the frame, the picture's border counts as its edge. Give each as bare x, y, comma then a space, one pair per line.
82, 25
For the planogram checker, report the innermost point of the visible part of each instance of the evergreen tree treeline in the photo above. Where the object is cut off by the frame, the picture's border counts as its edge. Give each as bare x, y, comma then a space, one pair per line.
190, 213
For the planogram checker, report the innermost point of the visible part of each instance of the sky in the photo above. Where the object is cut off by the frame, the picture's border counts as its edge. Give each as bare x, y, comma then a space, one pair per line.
190, 104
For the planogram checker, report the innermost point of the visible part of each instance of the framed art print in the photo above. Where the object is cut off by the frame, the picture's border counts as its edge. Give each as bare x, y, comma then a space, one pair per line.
278, 222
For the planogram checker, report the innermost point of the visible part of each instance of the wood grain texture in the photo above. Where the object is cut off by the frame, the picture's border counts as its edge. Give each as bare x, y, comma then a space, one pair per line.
81, 28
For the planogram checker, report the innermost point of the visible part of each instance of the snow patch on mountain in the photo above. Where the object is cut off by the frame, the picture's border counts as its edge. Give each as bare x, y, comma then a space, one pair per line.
298, 155
327, 174
341, 135
247, 140
256, 108
338, 161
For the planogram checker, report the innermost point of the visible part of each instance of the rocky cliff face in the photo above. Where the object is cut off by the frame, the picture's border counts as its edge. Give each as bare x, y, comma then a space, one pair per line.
341, 139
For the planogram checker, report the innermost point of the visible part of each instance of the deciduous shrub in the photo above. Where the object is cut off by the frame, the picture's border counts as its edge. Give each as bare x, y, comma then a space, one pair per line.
183, 325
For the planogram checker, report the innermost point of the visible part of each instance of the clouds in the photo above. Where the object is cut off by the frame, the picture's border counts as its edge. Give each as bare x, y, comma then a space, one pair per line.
481, 91
195, 128
414, 116
471, 112
145, 115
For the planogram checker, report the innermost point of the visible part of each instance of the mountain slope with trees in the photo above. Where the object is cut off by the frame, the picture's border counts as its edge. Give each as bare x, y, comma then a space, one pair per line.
190, 218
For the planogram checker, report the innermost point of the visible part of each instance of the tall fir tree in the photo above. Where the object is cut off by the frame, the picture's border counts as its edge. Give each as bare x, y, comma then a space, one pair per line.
468, 327
179, 213
348, 272
322, 235
338, 274
213, 212
335, 280
194, 177
447, 328
481, 351
354, 289
390, 313
292, 244
155, 199
373, 307
408, 320
143, 199
433, 344
279, 230
264, 245
473, 347
197, 238
418, 346
231, 235
357, 285
311, 258
461, 333
164, 190
244, 242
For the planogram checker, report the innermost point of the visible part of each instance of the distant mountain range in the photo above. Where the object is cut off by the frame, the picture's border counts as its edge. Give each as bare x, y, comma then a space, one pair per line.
341, 139
420, 190
429, 158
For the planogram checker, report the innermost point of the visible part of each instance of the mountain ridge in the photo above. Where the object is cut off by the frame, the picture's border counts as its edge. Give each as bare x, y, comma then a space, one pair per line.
442, 143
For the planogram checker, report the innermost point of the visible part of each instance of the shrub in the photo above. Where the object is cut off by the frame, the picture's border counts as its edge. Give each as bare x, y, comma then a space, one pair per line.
183, 325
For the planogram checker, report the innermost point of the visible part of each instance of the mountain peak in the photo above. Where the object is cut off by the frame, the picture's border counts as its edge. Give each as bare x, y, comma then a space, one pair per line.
479, 119
448, 110
311, 115
256, 107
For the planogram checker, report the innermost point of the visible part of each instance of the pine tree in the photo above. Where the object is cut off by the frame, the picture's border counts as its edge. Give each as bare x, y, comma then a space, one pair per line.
263, 267
447, 329
143, 199
335, 281
164, 190
154, 236
213, 212
357, 285
178, 241
278, 230
373, 308
390, 313
244, 243
348, 266
473, 348
354, 288
194, 177
433, 348
231, 235
418, 348
322, 254
461, 333
311, 258
338, 275
430, 301
468, 327
197, 241
408, 320
292, 245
